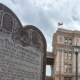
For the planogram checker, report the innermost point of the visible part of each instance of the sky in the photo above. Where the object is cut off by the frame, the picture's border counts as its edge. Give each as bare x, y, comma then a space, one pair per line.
46, 14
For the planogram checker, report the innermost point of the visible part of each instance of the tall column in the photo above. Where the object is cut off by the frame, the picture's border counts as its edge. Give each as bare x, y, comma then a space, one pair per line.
57, 78
57, 63
62, 63
73, 78
62, 78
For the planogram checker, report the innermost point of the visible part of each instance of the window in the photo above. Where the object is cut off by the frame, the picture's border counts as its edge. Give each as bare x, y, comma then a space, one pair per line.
70, 42
66, 55
66, 41
69, 55
67, 78
66, 66
69, 68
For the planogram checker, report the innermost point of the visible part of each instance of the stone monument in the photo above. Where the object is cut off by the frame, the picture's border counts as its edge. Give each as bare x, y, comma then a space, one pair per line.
22, 49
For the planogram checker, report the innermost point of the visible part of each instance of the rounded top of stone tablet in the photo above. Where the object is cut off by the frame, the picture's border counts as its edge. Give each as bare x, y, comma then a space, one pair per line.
5, 10
10, 25
34, 37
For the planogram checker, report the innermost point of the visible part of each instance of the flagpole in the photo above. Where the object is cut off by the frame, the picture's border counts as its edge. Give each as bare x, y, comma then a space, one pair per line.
57, 26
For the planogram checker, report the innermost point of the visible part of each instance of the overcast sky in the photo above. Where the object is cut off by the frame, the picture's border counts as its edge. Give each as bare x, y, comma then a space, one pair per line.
46, 14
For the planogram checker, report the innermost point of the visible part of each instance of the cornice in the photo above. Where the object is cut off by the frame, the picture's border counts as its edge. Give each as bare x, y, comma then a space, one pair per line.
66, 35
64, 47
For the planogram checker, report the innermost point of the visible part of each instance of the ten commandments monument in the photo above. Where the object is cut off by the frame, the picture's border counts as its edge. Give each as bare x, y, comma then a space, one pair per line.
22, 49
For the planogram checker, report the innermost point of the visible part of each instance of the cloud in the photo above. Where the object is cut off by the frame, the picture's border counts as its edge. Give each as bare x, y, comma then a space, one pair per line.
45, 14
29, 13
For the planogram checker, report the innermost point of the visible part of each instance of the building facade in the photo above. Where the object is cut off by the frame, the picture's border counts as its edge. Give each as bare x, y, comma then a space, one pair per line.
63, 65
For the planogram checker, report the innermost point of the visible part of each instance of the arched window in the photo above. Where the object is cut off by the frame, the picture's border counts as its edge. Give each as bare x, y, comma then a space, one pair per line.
34, 38
7, 22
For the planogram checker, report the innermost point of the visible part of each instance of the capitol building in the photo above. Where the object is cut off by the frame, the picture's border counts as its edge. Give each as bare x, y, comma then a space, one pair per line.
62, 58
